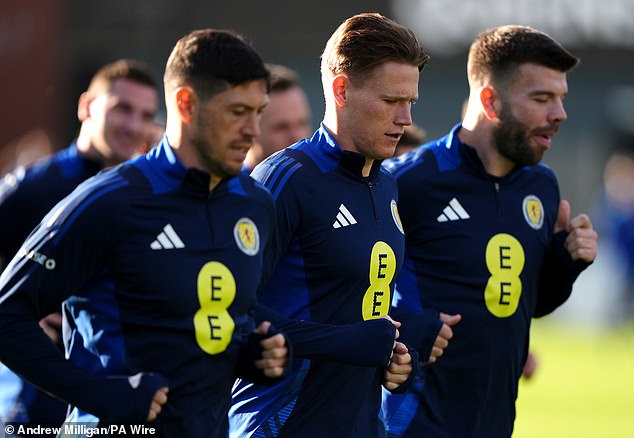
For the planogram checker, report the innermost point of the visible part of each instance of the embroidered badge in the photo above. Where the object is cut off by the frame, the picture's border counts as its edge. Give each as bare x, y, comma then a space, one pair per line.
246, 234
395, 216
533, 211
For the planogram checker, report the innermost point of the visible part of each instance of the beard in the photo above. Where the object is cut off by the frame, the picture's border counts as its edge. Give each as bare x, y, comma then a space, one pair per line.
206, 152
511, 138
215, 165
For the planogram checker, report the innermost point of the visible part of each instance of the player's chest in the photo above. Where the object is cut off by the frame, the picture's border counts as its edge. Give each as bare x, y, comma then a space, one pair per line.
193, 250
484, 220
350, 227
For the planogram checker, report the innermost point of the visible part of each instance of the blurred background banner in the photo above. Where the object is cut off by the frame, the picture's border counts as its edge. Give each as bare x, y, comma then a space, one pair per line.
448, 25
50, 48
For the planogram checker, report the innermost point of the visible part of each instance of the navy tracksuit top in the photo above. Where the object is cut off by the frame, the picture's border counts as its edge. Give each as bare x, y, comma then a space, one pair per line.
483, 247
157, 276
337, 252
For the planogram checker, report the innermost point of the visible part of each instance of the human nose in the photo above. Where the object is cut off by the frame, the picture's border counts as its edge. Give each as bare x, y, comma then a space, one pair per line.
403, 115
558, 112
138, 123
251, 125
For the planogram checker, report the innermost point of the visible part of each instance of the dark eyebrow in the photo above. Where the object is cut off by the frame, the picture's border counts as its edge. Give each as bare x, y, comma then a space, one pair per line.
400, 98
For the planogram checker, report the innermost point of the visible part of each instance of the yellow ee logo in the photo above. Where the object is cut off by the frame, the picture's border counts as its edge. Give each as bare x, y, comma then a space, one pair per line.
376, 300
212, 322
505, 261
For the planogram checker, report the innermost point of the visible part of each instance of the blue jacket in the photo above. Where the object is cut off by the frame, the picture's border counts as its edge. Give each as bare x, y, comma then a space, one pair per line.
336, 254
157, 277
27, 194
483, 247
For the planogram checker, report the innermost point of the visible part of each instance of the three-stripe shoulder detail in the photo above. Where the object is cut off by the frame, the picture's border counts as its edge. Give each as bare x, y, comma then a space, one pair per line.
86, 194
275, 176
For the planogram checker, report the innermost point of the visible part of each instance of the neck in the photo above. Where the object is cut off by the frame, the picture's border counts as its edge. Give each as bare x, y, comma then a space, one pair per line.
186, 154
479, 135
87, 149
345, 142
367, 167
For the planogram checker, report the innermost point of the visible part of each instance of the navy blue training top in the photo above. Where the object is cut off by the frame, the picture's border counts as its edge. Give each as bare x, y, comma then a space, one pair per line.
27, 194
158, 276
337, 252
483, 247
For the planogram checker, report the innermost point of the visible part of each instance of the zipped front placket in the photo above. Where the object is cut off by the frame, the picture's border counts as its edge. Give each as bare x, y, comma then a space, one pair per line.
376, 215
498, 207
207, 207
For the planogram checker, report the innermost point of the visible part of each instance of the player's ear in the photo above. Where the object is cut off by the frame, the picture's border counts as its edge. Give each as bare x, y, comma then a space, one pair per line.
487, 100
185, 101
339, 89
83, 106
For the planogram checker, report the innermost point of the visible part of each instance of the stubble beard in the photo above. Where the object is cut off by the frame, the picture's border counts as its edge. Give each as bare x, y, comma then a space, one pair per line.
511, 139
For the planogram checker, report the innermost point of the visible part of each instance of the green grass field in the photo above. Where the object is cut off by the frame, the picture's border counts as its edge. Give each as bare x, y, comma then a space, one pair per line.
583, 387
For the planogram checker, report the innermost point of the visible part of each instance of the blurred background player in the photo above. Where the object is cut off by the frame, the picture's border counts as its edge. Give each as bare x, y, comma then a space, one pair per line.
614, 209
116, 114
285, 120
154, 138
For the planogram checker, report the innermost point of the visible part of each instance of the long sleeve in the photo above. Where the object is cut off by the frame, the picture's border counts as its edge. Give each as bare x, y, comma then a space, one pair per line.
558, 274
418, 329
26, 350
56, 262
367, 343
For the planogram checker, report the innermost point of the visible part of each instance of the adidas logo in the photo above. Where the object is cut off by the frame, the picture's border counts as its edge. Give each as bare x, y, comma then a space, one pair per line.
453, 212
344, 218
167, 239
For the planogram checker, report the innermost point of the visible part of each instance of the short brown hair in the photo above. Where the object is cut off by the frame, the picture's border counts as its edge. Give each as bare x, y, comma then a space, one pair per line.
211, 61
121, 69
496, 53
367, 40
282, 77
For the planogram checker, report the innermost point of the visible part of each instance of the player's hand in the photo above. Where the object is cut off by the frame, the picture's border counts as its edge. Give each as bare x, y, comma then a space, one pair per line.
274, 352
160, 398
530, 366
52, 326
396, 324
581, 242
444, 335
399, 369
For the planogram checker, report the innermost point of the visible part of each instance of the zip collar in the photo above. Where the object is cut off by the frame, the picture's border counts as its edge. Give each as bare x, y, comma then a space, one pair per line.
166, 172
328, 155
